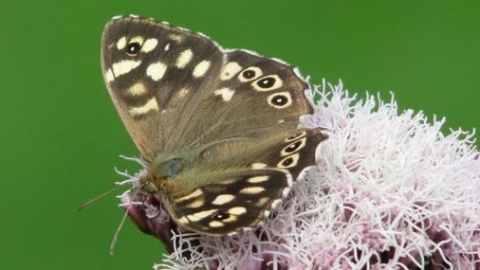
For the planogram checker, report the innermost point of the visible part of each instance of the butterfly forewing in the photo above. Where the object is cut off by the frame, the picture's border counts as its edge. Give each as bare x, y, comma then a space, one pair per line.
208, 121
160, 77
149, 72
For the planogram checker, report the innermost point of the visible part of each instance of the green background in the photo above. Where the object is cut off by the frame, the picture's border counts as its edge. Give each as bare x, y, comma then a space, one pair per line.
60, 136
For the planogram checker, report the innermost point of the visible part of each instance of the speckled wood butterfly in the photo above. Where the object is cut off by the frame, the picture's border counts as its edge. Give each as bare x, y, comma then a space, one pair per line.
218, 128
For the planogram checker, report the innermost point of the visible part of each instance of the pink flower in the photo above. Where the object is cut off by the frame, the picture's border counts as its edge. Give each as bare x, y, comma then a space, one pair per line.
389, 191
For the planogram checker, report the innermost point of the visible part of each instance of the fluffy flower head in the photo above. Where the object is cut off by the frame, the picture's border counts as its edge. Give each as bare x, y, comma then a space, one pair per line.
389, 191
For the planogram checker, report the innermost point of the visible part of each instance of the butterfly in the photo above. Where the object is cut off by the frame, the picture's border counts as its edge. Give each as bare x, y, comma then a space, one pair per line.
219, 129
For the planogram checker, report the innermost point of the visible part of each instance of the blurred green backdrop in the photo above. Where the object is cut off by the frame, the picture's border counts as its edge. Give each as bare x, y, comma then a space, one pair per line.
60, 136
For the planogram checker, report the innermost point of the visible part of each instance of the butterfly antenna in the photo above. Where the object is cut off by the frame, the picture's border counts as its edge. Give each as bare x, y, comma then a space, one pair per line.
119, 228
89, 202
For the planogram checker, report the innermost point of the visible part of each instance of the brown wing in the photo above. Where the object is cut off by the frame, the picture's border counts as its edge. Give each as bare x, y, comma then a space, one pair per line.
175, 89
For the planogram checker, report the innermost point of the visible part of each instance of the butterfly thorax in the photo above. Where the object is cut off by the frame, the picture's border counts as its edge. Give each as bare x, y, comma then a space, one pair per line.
163, 169
170, 175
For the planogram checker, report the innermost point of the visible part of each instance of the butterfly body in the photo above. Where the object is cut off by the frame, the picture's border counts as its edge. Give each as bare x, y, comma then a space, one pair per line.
218, 128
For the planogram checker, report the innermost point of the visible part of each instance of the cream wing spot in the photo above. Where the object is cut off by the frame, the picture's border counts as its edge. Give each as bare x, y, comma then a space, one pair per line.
176, 38
285, 192
198, 202
196, 193
178, 96
238, 210
124, 67
156, 70
201, 68
258, 179
109, 75
137, 39
183, 220
275, 203
260, 202
259, 165
150, 105
121, 43
216, 224
252, 190
184, 58
183, 92
229, 70
231, 218
223, 199
228, 182
201, 215
226, 93
137, 89
149, 45
167, 47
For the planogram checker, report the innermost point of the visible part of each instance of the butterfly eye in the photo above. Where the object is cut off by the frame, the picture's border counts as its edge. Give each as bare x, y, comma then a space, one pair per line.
280, 100
220, 216
266, 82
289, 162
296, 136
294, 147
133, 48
250, 73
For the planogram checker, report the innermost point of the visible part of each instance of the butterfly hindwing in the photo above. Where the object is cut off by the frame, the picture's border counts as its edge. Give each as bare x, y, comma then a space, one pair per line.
236, 201
219, 201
